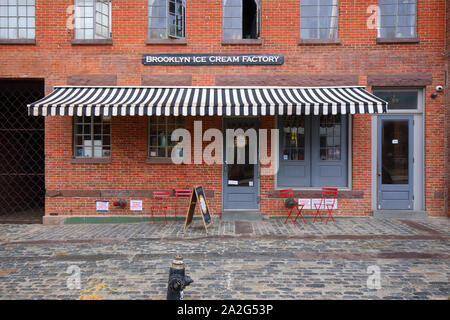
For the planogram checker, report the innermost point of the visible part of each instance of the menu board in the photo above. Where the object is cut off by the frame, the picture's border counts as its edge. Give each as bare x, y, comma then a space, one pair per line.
198, 195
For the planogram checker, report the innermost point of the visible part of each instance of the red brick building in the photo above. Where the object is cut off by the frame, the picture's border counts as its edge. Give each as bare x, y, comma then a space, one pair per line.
393, 163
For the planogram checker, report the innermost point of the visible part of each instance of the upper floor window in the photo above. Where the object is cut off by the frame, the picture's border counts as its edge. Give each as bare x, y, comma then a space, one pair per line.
241, 19
397, 18
17, 19
93, 19
319, 19
92, 137
167, 19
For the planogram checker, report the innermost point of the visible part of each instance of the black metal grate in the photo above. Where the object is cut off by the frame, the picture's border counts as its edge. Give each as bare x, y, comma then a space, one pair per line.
22, 181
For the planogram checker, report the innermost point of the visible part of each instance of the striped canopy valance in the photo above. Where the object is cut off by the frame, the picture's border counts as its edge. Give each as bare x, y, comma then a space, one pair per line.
202, 101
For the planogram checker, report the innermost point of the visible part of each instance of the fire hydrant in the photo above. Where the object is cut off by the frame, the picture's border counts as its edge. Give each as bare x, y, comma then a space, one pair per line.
177, 279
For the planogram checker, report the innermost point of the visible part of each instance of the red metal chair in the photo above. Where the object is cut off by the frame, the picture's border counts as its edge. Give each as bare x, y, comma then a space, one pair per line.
326, 195
186, 193
288, 193
164, 195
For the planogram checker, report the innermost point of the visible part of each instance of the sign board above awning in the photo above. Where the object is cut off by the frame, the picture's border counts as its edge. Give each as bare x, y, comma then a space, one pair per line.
206, 101
212, 59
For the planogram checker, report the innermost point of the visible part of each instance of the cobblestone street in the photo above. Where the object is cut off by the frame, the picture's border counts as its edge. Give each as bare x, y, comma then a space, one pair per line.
236, 260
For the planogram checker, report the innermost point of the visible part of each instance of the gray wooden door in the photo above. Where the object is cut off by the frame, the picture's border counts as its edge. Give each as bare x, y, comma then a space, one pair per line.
240, 182
395, 162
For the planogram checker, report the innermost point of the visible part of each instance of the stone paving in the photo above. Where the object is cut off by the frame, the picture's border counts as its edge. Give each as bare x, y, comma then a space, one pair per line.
236, 260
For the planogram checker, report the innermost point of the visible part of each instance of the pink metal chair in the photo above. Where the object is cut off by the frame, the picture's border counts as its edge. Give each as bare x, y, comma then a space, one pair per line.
163, 195
182, 205
327, 193
288, 193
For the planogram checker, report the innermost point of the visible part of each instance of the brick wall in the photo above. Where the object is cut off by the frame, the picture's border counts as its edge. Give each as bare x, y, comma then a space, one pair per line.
59, 62
448, 107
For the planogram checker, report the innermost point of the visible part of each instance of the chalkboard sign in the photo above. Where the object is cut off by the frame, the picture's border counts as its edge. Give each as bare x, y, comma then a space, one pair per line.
198, 195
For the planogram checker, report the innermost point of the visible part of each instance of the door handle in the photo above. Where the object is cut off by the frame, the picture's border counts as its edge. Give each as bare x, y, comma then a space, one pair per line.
379, 174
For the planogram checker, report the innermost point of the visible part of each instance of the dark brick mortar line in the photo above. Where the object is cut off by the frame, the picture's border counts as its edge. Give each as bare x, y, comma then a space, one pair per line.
420, 227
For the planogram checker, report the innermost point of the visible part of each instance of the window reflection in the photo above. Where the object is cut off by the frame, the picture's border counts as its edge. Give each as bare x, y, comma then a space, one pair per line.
330, 137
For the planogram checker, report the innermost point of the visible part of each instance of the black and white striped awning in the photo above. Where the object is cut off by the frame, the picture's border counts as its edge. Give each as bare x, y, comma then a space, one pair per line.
201, 101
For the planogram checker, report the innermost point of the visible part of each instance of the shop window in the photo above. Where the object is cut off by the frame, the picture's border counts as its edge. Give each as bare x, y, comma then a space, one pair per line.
93, 19
397, 18
330, 138
313, 151
167, 19
241, 19
399, 99
92, 137
160, 144
17, 19
319, 19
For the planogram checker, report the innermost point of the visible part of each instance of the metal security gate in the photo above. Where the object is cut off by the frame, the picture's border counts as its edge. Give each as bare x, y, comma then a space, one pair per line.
22, 184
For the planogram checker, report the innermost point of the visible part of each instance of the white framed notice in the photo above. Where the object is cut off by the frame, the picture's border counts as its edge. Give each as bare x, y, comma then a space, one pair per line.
102, 205
318, 204
136, 205
305, 202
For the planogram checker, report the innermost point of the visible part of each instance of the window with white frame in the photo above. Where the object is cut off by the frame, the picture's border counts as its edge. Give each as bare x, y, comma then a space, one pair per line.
92, 137
241, 19
166, 19
93, 19
319, 19
160, 144
397, 18
17, 19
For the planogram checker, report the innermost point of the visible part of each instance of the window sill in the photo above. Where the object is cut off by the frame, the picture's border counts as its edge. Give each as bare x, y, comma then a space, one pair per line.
318, 41
90, 160
91, 41
18, 41
167, 41
397, 40
255, 42
159, 161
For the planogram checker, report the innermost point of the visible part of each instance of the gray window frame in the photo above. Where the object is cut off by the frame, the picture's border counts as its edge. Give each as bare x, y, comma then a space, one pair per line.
12, 15
420, 98
92, 124
396, 15
168, 27
167, 133
258, 17
81, 20
347, 154
332, 35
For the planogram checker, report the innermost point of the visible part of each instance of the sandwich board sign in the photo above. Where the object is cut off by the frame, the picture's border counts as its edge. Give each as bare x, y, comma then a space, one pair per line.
198, 195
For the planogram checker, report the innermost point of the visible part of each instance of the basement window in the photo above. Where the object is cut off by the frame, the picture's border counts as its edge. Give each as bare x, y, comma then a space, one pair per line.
241, 19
